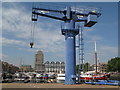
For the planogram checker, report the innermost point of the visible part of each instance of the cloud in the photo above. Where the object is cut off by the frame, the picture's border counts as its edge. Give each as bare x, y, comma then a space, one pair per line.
111, 50
106, 52
96, 38
88, 38
89, 35
6, 41
17, 22
51, 41
3, 56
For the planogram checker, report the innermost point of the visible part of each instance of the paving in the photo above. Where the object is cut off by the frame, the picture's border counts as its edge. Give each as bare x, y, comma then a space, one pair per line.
53, 85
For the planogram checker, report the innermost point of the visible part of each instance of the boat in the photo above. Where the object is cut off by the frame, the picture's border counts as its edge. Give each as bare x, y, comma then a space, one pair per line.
105, 82
60, 78
93, 76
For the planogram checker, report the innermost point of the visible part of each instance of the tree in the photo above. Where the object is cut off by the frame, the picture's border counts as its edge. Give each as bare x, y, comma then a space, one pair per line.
77, 67
113, 65
86, 67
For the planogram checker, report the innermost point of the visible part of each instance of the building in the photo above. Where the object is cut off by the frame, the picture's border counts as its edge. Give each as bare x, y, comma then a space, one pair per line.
39, 62
8, 68
103, 67
94, 67
54, 67
26, 68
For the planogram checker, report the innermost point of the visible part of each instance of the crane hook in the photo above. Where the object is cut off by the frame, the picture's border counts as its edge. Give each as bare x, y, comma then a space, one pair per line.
31, 44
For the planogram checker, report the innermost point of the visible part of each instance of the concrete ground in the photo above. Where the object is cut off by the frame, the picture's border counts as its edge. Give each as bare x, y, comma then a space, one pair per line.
53, 85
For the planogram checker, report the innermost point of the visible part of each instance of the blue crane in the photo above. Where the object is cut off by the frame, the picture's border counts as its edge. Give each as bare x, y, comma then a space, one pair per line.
69, 16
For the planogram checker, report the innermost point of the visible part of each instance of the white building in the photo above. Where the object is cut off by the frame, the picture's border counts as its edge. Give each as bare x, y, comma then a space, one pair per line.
54, 67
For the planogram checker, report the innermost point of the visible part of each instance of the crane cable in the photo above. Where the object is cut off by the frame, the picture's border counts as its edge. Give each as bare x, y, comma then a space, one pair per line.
32, 31
33, 24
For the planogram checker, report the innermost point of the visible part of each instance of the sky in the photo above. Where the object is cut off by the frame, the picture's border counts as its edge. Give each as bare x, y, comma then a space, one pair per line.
16, 30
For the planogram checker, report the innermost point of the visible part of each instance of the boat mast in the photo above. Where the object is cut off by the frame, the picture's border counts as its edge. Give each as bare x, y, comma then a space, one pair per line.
96, 57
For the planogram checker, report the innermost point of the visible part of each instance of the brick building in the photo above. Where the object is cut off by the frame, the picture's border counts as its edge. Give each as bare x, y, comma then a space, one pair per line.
26, 68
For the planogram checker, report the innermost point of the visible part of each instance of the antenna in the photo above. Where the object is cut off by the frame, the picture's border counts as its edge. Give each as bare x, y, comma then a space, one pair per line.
69, 17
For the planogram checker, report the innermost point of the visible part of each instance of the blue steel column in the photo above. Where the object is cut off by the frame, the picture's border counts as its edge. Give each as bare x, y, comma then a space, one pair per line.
70, 65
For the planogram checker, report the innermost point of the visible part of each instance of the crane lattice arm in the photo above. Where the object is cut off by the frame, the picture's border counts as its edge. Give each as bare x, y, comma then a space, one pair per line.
77, 16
